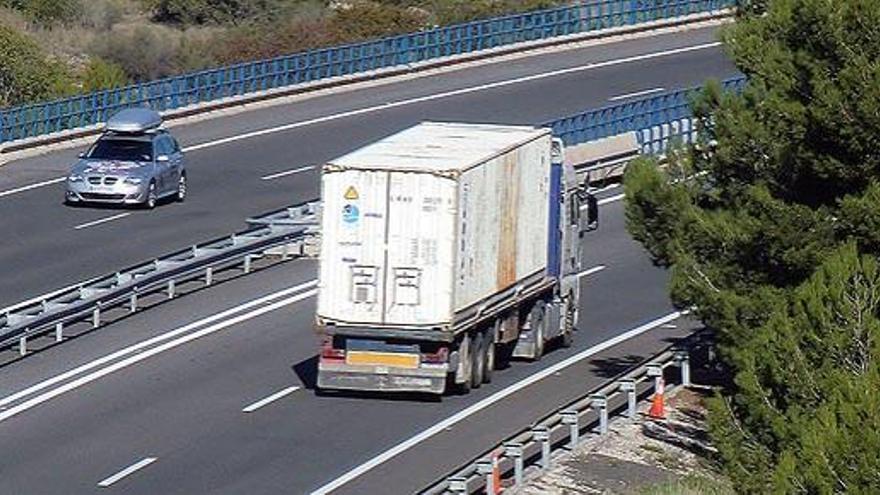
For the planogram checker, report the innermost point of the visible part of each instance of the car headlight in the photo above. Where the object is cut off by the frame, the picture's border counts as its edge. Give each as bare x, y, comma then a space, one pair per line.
75, 178
133, 180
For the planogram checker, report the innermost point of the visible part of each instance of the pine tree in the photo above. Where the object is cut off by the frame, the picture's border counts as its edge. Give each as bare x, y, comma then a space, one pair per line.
784, 177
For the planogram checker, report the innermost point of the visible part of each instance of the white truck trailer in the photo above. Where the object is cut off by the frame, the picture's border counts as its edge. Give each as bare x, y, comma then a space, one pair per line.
445, 249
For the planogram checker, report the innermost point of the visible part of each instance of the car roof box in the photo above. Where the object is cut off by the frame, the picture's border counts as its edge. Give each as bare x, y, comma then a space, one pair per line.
134, 121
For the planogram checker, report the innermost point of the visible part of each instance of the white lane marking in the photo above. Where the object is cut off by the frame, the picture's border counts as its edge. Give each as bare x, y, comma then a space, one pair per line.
611, 199
457, 92
154, 340
286, 173
385, 106
636, 94
127, 471
488, 401
49, 182
272, 398
79, 382
590, 271
100, 221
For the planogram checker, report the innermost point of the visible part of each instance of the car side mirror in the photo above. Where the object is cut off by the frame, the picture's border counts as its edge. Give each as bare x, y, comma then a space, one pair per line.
162, 158
589, 219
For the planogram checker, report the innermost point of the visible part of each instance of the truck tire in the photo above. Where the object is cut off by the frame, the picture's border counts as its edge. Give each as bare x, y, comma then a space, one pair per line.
465, 351
478, 358
568, 323
489, 344
538, 324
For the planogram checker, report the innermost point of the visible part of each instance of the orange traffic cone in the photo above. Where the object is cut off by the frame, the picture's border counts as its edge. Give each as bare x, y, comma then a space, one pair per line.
656, 410
496, 475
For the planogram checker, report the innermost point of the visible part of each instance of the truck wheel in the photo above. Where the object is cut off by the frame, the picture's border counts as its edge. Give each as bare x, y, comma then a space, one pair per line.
490, 357
478, 357
465, 350
568, 323
537, 324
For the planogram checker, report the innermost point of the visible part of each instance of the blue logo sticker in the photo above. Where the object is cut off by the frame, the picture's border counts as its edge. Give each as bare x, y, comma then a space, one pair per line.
350, 214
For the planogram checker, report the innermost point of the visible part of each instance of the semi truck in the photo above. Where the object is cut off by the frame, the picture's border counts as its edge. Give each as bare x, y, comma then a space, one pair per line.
447, 249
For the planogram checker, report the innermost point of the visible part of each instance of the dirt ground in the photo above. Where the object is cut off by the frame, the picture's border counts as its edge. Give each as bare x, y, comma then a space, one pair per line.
636, 456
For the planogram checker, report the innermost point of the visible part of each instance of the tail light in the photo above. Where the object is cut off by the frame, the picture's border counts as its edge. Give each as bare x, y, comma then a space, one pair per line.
438, 357
330, 353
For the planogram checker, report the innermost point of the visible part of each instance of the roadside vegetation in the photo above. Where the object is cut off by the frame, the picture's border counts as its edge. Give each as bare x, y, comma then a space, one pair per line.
52, 48
771, 227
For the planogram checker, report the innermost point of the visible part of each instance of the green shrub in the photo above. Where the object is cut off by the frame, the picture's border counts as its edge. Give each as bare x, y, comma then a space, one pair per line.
100, 74
26, 74
145, 52
215, 11
46, 11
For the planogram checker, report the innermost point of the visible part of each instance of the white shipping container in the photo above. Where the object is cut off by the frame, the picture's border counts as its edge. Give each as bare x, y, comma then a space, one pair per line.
424, 224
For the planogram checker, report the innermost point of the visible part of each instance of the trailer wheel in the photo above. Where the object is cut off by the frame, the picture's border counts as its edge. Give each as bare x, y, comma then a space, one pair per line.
568, 324
538, 324
462, 384
478, 368
489, 345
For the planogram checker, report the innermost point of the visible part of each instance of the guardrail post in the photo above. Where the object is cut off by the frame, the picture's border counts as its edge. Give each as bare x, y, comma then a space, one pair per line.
542, 434
247, 263
629, 386
209, 276
600, 402
484, 468
515, 452
458, 484
96, 316
59, 332
22, 345
171, 289
570, 418
683, 359
133, 301
655, 371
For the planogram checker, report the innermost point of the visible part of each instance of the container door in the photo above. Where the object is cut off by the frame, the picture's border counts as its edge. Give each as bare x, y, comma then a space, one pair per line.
420, 239
352, 265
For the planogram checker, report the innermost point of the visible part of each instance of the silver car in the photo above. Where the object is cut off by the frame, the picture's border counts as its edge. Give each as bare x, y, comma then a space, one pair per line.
135, 161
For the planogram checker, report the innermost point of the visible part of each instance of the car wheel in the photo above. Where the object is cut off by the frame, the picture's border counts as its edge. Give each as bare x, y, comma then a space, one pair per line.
181, 188
152, 196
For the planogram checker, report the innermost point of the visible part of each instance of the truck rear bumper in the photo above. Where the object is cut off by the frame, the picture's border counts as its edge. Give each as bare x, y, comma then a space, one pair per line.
381, 378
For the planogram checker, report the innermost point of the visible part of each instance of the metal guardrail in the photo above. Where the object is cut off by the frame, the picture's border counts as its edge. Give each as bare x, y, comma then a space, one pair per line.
657, 119
316, 65
565, 428
87, 301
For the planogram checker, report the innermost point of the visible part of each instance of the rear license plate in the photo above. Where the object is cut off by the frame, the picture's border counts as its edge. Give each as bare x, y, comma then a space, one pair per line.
394, 359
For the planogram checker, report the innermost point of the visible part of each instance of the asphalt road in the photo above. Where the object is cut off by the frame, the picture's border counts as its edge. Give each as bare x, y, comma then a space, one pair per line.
183, 406
156, 403
47, 246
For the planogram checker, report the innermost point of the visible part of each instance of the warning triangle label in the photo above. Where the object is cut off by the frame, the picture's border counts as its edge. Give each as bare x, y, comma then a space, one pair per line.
351, 193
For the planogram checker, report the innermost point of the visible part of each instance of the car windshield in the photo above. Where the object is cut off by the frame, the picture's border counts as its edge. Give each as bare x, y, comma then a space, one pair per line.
122, 149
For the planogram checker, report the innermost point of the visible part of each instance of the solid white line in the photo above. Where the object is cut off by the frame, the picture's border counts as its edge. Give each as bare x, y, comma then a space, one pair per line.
289, 172
611, 199
457, 92
79, 382
99, 222
272, 398
636, 94
590, 271
488, 401
49, 182
127, 471
154, 340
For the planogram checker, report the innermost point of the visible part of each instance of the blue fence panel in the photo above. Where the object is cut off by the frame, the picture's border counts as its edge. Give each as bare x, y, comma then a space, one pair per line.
240, 79
656, 119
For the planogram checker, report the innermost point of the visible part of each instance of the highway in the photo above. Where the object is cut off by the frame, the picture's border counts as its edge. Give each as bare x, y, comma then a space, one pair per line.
48, 245
212, 392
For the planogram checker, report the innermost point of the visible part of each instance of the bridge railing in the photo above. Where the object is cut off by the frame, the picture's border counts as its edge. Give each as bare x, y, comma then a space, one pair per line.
217, 84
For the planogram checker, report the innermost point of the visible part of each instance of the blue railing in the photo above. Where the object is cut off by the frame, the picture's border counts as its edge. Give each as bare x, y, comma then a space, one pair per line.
236, 80
656, 119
